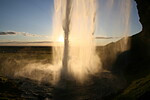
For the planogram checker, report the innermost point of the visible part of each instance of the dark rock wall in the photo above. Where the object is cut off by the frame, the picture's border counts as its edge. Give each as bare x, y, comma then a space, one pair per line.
137, 62
140, 43
143, 7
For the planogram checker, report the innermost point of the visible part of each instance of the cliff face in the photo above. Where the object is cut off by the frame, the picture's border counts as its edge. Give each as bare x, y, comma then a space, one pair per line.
134, 65
143, 7
138, 56
140, 43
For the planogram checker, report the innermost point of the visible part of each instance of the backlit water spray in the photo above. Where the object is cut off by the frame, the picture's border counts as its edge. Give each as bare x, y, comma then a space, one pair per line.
74, 27
76, 22
74, 50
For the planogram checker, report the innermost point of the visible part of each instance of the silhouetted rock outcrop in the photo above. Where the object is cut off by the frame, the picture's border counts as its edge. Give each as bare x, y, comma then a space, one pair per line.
134, 64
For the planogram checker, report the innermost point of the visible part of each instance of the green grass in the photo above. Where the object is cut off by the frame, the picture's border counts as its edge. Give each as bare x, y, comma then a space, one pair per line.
136, 89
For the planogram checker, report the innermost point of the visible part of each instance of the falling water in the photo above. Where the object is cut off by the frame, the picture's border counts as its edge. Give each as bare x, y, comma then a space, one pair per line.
124, 13
77, 25
74, 53
83, 59
75, 21
66, 26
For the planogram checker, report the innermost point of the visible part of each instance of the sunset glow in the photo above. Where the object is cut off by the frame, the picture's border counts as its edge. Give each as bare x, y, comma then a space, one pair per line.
61, 39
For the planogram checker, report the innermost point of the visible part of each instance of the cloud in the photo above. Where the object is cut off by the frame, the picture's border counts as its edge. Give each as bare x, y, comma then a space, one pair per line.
29, 34
23, 43
21, 33
8, 33
106, 37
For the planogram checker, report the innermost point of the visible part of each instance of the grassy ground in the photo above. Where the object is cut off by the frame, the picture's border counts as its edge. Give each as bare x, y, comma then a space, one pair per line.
137, 89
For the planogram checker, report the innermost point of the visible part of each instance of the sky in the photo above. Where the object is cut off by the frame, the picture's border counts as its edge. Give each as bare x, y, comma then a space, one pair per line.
31, 21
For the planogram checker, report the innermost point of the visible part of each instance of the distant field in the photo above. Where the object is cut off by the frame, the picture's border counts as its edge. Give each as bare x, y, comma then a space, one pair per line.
14, 58
25, 49
21, 52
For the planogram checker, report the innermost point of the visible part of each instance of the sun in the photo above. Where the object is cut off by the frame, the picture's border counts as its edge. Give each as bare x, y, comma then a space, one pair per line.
61, 39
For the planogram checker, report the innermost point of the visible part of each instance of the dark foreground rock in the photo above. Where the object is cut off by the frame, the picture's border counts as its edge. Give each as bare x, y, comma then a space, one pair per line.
24, 89
96, 88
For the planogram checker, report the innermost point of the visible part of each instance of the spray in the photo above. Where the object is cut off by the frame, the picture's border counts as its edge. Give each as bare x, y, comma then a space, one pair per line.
74, 52
77, 24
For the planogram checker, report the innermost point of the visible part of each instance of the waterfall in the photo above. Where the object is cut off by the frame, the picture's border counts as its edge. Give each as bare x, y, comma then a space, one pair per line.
76, 22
